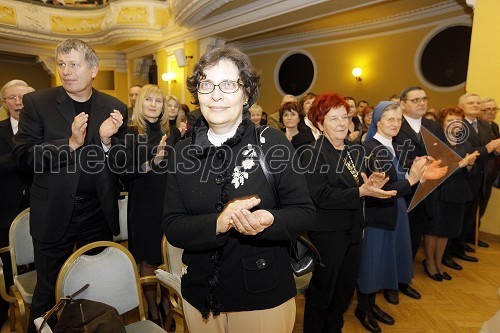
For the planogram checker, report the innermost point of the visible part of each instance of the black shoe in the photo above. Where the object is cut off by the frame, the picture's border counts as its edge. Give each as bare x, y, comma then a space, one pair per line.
391, 296
366, 319
449, 262
482, 244
435, 277
382, 316
409, 291
465, 257
468, 248
446, 276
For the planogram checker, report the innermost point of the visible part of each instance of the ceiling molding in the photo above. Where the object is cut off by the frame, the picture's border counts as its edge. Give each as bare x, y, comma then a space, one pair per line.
359, 27
118, 21
459, 20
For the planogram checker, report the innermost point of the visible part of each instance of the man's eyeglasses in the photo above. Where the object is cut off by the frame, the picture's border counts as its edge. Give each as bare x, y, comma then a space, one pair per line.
418, 100
13, 98
490, 110
226, 86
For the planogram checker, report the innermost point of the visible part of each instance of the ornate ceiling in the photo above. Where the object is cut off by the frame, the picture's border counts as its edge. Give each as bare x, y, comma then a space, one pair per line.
127, 29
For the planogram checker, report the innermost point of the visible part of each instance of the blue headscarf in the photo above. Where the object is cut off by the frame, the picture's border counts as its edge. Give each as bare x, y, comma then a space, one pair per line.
377, 114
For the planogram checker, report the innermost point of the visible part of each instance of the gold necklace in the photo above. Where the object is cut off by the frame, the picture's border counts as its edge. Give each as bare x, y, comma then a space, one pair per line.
351, 167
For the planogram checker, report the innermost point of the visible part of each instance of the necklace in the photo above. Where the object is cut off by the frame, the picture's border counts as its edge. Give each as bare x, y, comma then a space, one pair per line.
351, 167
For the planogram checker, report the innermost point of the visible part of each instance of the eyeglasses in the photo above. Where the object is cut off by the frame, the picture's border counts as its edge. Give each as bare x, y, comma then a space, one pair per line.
490, 110
226, 86
417, 100
13, 98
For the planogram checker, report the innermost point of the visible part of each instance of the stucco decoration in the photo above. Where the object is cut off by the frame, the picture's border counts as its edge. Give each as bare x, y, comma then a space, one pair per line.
119, 21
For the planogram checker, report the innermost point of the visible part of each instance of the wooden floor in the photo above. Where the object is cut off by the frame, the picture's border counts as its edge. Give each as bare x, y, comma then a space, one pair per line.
461, 305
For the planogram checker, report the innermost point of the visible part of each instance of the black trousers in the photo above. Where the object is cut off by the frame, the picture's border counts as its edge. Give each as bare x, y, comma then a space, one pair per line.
87, 225
331, 287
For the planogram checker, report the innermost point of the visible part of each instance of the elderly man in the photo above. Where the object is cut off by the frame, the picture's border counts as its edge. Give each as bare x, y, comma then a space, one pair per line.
481, 138
14, 192
489, 110
64, 136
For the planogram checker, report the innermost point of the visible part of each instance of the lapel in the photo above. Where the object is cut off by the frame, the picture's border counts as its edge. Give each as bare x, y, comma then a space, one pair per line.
97, 116
472, 133
6, 132
409, 132
64, 105
337, 164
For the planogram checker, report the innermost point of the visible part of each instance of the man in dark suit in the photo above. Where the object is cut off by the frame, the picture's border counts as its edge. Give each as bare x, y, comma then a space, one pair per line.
133, 93
64, 136
410, 144
489, 110
14, 192
480, 136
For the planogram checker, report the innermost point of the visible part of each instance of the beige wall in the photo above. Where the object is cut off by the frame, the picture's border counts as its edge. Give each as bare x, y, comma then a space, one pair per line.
387, 63
484, 71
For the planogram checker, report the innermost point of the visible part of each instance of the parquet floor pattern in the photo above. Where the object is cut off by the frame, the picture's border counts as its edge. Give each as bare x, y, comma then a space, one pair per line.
461, 305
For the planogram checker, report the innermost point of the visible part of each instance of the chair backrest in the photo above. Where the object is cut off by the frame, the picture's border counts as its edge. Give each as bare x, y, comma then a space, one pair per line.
112, 275
172, 256
122, 218
21, 243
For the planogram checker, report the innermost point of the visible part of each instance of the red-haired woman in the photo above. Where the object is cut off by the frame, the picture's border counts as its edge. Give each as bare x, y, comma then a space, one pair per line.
451, 195
337, 188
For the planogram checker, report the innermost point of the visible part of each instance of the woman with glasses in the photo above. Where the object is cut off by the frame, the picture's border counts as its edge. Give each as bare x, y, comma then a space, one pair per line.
221, 209
386, 258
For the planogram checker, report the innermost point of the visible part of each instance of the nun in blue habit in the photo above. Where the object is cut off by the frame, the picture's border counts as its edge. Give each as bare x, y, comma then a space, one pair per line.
386, 258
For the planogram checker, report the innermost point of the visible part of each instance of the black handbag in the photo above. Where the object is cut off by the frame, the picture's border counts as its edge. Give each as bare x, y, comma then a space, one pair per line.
84, 316
303, 253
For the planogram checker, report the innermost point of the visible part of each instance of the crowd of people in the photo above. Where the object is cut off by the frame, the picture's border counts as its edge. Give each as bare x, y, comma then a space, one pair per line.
233, 186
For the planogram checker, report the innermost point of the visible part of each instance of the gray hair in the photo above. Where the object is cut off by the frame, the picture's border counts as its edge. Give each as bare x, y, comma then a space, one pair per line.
78, 45
461, 99
13, 83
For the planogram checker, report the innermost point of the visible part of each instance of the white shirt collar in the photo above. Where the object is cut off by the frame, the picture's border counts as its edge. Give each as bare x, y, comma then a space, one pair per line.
386, 142
471, 120
415, 124
218, 140
15, 125
316, 132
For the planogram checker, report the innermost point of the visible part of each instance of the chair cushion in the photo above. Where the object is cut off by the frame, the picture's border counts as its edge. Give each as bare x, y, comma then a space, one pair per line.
26, 283
144, 326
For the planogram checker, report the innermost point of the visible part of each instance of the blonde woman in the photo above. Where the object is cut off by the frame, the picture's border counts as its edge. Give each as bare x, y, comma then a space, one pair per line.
148, 140
173, 107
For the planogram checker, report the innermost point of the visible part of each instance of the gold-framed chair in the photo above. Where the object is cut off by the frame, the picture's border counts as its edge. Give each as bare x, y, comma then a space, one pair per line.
21, 252
122, 218
170, 274
113, 278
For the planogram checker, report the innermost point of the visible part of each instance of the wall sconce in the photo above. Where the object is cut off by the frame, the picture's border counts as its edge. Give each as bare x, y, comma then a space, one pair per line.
168, 77
356, 72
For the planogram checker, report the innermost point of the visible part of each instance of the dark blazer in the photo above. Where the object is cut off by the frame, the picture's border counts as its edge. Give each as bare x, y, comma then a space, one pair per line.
333, 190
14, 182
478, 141
253, 272
408, 146
42, 145
382, 213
